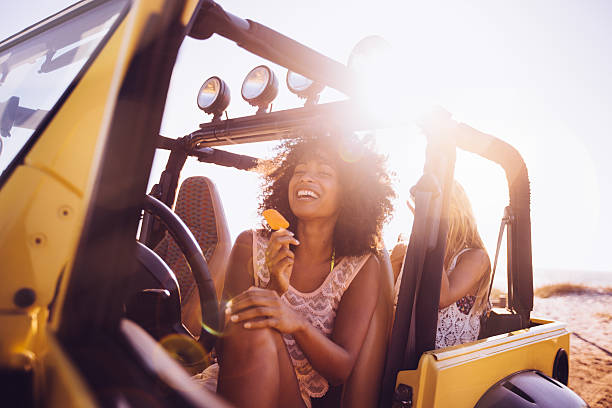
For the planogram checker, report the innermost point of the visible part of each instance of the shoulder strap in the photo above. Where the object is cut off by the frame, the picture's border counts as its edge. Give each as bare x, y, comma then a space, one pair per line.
261, 275
453, 263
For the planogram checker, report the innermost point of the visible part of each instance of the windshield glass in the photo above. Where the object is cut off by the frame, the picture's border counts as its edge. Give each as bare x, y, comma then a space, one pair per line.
41, 64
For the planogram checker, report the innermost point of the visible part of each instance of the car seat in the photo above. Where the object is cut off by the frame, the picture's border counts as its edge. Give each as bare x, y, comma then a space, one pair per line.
199, 206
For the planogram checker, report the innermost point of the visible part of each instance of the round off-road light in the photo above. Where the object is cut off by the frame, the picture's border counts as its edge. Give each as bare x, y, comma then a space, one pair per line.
260, 87
372, 53
214, 96
304, 87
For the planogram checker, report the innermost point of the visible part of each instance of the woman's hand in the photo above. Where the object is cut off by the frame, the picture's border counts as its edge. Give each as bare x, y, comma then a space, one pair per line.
410, 205
279, 259
257, 308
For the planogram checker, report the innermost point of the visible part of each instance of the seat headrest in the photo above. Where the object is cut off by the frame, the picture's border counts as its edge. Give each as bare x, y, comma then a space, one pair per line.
195, 206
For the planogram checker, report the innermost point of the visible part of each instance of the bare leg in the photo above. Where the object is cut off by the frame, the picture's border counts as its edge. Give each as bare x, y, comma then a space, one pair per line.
255, 369
289, 392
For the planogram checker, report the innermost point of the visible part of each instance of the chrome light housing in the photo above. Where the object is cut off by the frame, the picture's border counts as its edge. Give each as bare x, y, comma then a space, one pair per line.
260, 87
372, 52
214, 97
304, 87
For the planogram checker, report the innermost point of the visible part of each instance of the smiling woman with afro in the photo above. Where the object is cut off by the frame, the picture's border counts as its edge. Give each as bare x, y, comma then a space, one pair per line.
365, 182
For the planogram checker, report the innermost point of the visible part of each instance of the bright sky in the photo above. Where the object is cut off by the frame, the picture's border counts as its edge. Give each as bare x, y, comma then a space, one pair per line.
535, 74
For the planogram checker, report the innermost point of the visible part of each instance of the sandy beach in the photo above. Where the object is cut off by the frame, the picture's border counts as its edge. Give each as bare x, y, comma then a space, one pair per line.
589, 319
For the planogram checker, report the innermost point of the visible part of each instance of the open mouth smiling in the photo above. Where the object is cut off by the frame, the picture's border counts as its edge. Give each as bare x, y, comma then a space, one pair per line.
306, 194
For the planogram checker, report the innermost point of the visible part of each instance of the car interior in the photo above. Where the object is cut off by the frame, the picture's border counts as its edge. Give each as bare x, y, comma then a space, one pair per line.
139, 306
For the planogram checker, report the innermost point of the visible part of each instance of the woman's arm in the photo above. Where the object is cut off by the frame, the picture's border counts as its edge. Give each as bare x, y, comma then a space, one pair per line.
397, 258
335, 359
469, 270
258, 308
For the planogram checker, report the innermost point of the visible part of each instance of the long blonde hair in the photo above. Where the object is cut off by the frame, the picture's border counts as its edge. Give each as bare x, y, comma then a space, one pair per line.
463, 233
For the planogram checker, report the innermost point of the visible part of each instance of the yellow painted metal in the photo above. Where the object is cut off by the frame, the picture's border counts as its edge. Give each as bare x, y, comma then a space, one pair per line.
21, 334
37, 236
188, 10
71, 146
44, 202
64, 384
458, 376
25, 325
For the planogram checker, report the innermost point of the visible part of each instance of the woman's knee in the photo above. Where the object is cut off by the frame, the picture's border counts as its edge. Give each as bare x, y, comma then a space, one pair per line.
249, 341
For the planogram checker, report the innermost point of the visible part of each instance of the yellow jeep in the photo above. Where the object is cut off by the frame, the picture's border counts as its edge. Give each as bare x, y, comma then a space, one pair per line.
90, 315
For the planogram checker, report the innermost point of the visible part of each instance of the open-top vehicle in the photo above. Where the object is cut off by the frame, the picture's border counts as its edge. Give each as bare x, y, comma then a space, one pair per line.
91, 316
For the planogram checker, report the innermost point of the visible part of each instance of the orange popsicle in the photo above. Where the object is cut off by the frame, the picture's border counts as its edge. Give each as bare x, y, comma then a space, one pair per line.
275, 220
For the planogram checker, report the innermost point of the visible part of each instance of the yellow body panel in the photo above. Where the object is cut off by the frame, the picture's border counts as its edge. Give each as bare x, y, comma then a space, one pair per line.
188, 10
25, 337
458, 376
45, 200
64, 385
37, 237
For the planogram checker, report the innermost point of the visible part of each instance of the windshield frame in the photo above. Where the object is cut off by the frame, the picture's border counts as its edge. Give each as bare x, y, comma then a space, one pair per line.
39, 28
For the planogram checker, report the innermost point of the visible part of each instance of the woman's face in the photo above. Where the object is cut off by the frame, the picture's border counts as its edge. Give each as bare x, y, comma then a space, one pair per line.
314, 190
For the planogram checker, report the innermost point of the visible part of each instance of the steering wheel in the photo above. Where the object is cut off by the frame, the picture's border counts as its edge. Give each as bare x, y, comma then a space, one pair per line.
211, 322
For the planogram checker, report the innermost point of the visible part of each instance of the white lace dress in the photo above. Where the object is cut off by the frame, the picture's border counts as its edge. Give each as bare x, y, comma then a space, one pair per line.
457, 323
318, 307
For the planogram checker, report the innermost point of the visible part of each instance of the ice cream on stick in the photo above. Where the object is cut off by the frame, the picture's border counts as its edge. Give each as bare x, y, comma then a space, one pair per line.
275, 220
279, 279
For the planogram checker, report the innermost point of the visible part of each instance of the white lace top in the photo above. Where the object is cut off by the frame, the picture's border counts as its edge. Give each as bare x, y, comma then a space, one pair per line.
318, 307
457, 323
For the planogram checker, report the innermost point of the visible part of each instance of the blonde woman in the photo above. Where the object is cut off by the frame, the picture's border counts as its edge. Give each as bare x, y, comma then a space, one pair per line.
465, 278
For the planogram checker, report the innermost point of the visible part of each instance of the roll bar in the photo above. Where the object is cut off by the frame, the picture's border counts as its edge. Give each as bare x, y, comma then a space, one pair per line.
271, 45
284, 51
348, 116
520, 269
283, 124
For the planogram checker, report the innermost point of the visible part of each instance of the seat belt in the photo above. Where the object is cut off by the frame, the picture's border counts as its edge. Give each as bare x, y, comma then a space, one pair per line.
400, 342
